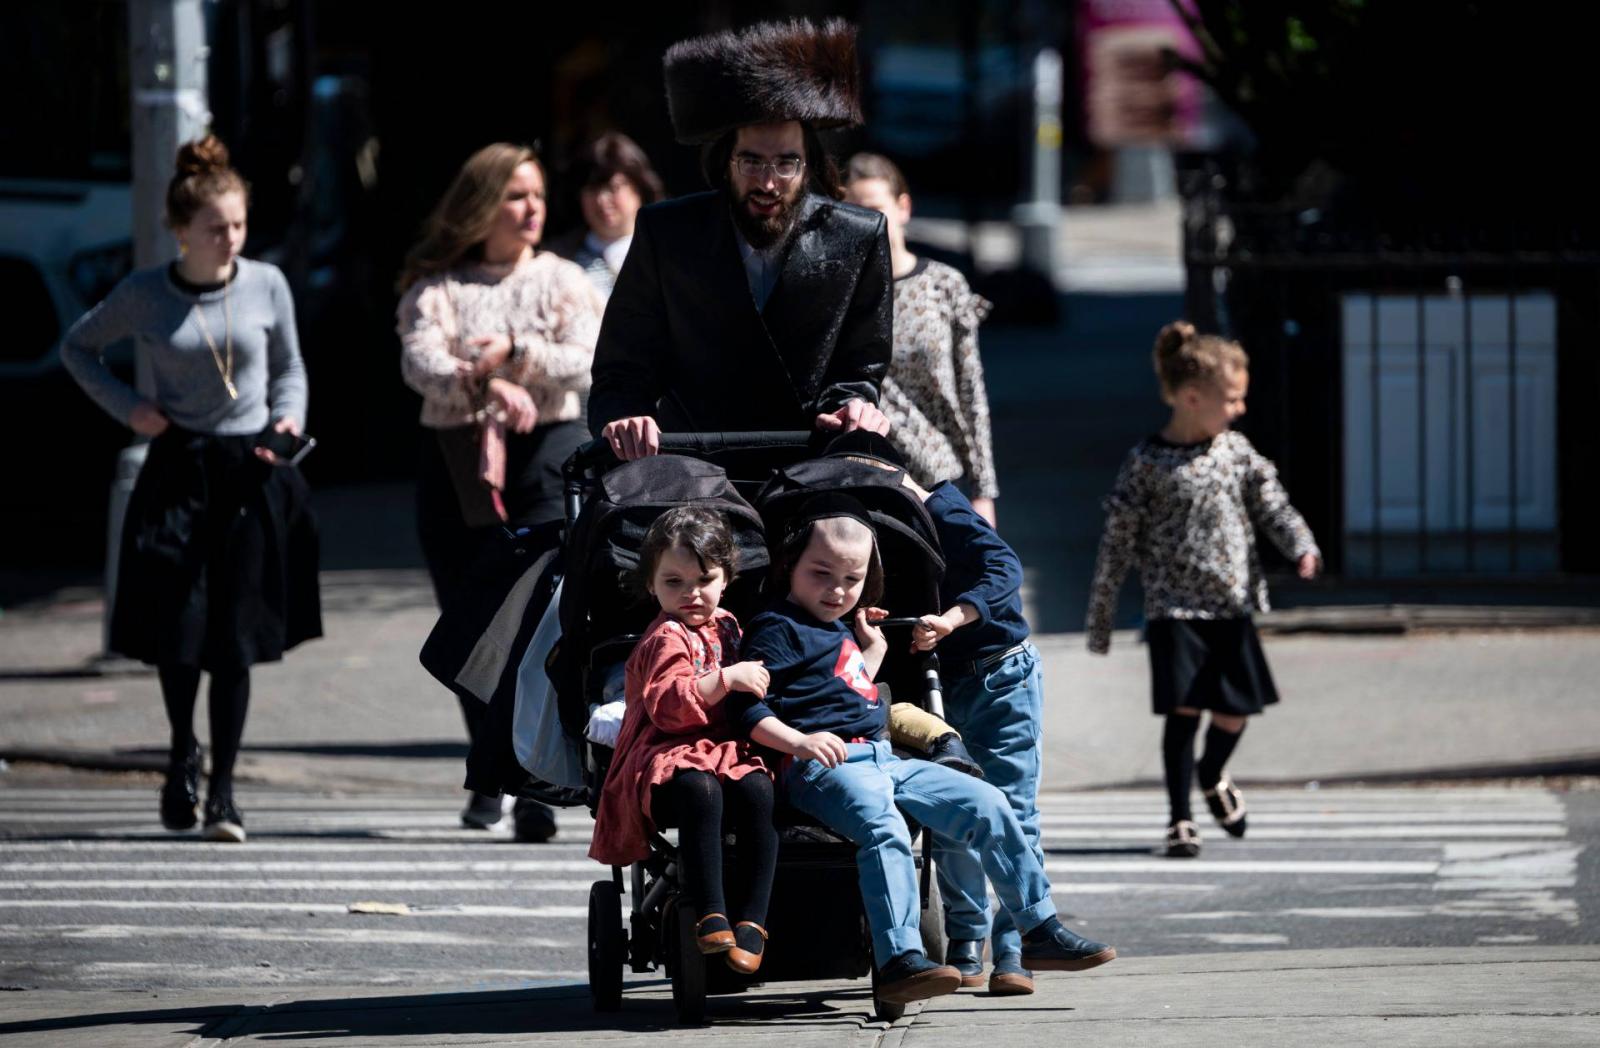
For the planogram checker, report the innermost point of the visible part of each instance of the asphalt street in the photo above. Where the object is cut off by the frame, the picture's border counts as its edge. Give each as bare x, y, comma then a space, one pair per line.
95, 895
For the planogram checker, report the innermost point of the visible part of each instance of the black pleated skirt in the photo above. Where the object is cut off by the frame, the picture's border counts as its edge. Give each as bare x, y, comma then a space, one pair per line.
219, 555
1208, 664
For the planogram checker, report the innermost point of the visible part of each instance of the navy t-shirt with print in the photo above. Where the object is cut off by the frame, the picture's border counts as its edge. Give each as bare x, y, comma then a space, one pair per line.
819, 677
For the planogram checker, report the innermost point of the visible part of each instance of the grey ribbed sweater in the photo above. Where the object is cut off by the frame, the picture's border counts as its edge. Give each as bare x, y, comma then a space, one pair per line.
150, 308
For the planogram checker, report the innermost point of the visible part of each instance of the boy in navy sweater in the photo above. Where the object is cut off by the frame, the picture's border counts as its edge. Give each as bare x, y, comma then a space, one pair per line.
823, 710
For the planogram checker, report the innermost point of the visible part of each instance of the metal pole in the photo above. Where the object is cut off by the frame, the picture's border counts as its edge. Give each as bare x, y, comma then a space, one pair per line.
167, 55
1039, 219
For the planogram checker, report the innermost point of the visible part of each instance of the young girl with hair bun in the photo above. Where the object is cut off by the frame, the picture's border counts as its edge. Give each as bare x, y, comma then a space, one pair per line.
1184, 510
218, 568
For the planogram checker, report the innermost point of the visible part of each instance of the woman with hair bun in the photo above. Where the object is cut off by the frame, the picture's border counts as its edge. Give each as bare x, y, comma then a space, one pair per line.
218, 567
1185, 509
498, 337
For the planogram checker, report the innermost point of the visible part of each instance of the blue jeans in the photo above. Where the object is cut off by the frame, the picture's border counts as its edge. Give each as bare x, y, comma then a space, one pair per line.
857, 799
999, 715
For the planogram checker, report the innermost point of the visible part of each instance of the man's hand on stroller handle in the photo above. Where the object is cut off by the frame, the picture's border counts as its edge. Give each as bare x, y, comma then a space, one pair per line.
856, 414
633, 438
824, 747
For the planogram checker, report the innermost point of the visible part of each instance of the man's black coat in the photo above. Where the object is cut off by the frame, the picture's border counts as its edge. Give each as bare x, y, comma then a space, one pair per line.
682, 339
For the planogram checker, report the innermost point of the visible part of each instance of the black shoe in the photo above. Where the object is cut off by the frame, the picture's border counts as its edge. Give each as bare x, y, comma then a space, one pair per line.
1009, 978
1053, 947
484, 812
952, 753
1227, 804
180, 795
966, 957
1183, 840
533, 822
910, 976
223, 821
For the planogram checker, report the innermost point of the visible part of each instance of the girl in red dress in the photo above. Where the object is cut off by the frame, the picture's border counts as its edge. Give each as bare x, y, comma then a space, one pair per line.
677, 762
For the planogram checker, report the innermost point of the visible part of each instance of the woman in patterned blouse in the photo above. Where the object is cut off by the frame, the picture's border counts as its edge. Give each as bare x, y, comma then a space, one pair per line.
498, 337
1184, 510
934, 394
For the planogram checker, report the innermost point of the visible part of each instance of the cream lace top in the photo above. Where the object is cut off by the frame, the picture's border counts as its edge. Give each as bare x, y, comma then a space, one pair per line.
547, 306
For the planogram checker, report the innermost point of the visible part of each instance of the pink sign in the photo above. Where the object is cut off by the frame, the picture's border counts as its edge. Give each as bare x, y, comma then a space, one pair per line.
1129, 96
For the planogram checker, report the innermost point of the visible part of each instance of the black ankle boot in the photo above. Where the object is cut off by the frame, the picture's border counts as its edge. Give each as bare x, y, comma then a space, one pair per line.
966, 957
180, 795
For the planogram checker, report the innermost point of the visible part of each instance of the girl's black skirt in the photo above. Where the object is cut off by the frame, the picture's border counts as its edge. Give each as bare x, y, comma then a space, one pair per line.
1208, 664
219, 554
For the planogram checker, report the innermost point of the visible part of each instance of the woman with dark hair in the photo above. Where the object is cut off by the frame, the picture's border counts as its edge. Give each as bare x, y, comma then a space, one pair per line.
934, 393
615, 180
498, 337
218, 568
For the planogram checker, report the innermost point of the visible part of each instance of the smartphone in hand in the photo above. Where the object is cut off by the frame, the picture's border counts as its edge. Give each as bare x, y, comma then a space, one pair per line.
290, 448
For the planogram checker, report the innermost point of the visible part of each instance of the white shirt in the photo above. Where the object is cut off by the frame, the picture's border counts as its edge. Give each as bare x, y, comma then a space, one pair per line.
613, 252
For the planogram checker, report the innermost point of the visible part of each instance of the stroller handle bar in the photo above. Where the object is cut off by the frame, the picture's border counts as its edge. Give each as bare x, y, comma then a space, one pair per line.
598, 451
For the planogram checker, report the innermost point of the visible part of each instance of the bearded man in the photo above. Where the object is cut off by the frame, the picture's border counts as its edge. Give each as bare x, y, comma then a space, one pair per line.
765, 303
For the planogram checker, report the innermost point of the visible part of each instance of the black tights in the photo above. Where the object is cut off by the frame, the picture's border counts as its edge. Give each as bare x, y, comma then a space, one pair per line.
229, 699
694, 801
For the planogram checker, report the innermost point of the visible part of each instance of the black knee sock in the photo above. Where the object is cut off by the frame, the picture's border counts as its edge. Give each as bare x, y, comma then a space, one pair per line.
695, 804
1177, 751
1219, 747
750, 802
179, 686
229, 700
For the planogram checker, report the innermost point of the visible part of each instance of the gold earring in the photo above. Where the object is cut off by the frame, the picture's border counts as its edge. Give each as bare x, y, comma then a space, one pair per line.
183, 248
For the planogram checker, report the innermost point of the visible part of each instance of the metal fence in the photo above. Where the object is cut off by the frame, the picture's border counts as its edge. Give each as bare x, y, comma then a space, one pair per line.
1429, 395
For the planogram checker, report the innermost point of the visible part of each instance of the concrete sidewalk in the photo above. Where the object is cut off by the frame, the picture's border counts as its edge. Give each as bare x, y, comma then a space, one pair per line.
1492, 996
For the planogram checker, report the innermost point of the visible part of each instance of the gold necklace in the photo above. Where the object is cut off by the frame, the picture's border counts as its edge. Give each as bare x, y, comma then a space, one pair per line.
226, 371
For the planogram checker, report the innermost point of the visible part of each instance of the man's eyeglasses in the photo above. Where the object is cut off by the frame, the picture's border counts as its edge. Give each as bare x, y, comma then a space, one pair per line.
784, 169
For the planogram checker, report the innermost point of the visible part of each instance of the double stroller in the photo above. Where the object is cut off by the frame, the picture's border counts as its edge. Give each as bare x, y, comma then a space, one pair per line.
758, 481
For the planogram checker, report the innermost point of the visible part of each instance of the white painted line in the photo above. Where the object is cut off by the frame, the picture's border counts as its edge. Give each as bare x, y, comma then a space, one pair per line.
561, 912
1352, 833
193, 846
282, 885
1258, 817
1236, 938
1207, 867
500, 866
100, 972
214, 932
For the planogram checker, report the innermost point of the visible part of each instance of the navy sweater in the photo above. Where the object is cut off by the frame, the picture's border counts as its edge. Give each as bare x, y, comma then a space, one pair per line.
981, 570
819, 677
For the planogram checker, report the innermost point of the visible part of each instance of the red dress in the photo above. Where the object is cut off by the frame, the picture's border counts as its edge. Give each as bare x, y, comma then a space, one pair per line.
667, 728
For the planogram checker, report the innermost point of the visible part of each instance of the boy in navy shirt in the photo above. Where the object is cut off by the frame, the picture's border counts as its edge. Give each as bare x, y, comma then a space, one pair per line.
823, 710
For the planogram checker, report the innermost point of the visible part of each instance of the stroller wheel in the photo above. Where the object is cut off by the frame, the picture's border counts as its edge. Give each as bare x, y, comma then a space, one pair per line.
689, 967
607, 946
882, 1010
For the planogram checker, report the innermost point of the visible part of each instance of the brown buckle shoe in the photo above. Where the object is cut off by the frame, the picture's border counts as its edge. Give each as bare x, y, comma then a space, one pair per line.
719, 940
741, 960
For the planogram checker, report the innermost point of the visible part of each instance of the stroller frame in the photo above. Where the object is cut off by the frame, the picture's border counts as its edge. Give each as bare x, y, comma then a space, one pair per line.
660, 934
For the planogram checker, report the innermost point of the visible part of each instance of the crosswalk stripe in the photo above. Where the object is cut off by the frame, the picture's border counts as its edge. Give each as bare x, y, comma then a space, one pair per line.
289, 906
359, 937
284, 884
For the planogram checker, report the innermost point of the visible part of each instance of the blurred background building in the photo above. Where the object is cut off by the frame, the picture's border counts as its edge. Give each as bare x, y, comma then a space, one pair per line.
1377, 199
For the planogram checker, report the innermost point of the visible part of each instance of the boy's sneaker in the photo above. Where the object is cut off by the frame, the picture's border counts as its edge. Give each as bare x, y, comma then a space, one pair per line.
1053, 947
966, 957
223, 821
1009, 978
180, 795
485, 811
910, 976
1183, 840
1227, 804
952, 753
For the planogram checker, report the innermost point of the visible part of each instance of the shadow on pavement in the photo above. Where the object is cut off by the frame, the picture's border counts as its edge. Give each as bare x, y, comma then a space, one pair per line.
541, 1009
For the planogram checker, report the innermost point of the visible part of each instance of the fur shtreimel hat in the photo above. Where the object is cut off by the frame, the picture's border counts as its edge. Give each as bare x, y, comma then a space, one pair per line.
766, 73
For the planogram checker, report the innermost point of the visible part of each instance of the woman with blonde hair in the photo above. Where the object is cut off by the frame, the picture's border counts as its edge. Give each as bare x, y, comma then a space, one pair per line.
498, 337
218, 568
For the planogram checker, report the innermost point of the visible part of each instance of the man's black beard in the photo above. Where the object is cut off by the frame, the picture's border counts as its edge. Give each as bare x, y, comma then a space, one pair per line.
763, 233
